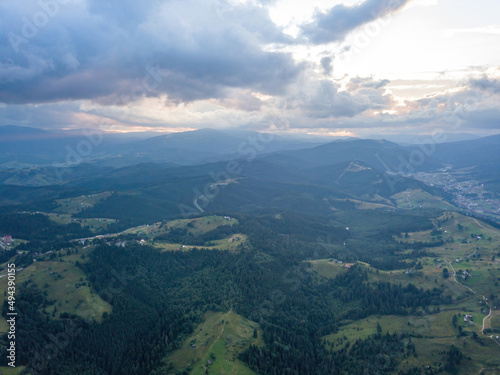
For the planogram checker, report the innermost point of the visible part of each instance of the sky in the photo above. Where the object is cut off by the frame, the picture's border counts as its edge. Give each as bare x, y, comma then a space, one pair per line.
367, 68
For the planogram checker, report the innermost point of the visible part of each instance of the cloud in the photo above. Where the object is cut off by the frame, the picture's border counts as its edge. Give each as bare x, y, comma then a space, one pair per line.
327, 99
326, 64
484, 119
488, 30
335, 24
104, 49
216, 63
329, 102
486, 84
366, 82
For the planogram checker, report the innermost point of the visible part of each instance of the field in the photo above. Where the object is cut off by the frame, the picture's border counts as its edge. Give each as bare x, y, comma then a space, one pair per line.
147, 233
470, 247
67, 285
196, 227
77, 204
63, 282
495, 322
216, 344
366, 205
11, 371
327, 267
201, 225
230, 243
418, 198
95, 224
431, 334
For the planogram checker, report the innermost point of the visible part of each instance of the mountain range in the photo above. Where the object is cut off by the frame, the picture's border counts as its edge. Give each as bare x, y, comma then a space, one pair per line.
254, 171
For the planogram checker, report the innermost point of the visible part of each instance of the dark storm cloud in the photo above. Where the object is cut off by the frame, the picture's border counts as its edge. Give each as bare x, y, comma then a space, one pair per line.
336, 23
102, 50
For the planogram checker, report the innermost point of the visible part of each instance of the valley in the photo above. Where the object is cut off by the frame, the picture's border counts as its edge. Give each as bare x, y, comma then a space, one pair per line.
468, 193
249, 187
306, 261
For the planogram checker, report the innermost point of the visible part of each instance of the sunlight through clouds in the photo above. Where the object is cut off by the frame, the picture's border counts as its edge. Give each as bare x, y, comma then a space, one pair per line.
221, 63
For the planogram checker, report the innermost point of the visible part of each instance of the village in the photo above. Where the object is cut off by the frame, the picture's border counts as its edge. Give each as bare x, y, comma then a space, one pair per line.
467, 193
5, 242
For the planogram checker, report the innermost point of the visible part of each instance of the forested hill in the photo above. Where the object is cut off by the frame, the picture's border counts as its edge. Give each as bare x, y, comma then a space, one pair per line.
161, 296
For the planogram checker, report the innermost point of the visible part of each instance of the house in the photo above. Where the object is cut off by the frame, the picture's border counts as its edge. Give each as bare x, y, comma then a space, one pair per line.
7, 239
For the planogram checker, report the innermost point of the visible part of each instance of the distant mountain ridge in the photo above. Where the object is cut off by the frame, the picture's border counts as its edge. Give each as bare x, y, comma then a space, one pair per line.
469, 153
379, 154
24, 146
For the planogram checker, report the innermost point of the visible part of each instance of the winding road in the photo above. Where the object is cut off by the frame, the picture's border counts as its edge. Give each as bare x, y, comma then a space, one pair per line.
474, 292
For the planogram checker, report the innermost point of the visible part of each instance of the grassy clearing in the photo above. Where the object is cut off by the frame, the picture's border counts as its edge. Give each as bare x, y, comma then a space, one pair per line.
194, 226
417, 198
436, 325
495, 321
17, 242
95, 224
216, 344
66, 284
476, 246
77, 204
230, 243
367, 205
6, 370
431, 351
431, 334
202, 224
473, 243
328, 268
428, 278
362, 205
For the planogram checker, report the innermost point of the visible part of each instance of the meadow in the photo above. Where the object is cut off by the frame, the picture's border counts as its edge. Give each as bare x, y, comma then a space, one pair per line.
215, 344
